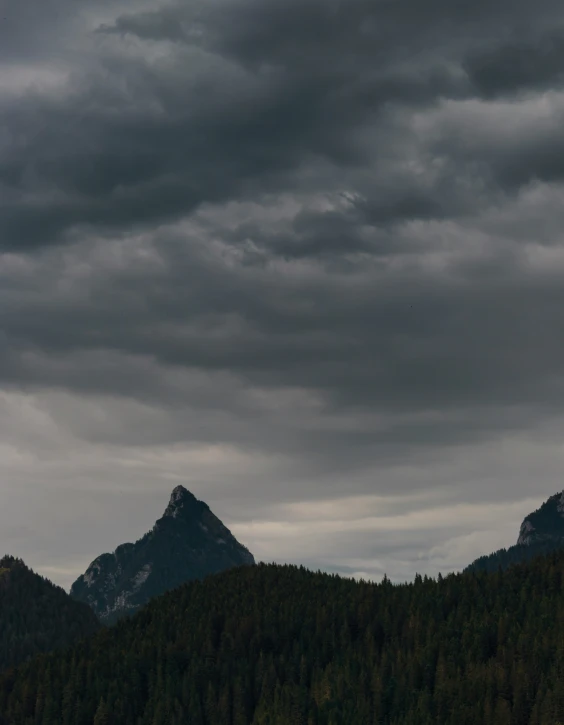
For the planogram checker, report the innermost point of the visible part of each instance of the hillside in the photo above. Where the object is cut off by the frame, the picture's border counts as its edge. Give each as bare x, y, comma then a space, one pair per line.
541, 532
35, 615
278, 645
187, 542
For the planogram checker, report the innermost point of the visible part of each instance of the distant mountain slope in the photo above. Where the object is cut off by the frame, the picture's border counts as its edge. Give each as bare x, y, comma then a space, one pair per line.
187, 542
278, 645
35, 615
541, 532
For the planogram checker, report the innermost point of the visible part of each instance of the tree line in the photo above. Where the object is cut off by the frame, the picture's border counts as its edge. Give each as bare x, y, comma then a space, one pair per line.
281, 645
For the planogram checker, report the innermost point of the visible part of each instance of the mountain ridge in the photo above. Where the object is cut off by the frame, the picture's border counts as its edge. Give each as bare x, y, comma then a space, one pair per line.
187, 542
541, 532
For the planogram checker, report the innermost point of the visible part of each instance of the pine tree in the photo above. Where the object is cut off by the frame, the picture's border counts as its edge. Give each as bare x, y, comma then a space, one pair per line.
102, 716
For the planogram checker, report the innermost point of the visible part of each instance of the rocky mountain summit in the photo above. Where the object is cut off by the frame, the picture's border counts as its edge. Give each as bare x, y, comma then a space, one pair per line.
542, 531
546, 524
188, 542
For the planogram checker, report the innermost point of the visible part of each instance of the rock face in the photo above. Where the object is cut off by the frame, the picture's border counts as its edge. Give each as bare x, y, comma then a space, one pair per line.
541, 532
545, 524
187, 542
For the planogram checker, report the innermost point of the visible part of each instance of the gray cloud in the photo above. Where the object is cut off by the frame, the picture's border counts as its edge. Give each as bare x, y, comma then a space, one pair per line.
301, 246
134, 139
522, 64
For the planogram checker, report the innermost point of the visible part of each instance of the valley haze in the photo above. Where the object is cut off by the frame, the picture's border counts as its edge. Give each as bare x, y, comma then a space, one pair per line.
303, 257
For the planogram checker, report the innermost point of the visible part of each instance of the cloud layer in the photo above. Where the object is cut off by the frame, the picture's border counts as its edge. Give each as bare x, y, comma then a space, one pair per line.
290, 253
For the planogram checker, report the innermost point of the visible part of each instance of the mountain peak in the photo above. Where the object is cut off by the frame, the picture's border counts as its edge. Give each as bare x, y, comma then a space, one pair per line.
544, 524
179, 493
541, 532
187, 542
182, 500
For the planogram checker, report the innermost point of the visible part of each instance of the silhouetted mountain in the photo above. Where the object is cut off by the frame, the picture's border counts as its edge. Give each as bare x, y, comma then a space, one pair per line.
541, 532
278, 645
187, 542
35, 615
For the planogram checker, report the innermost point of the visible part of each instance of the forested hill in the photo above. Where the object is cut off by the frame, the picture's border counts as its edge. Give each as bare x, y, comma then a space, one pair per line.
35, 615
541, 532
504, 558
274, 645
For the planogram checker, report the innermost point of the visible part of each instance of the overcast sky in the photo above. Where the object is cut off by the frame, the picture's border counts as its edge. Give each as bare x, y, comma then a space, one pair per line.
304, 257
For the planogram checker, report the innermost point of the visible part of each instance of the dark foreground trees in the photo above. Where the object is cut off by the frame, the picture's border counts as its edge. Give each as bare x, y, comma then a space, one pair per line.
279, 645
35, 615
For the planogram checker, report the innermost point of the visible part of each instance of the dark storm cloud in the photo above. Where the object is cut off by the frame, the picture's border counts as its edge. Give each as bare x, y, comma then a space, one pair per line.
393, 345
521, 65
271, 87
329, 232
